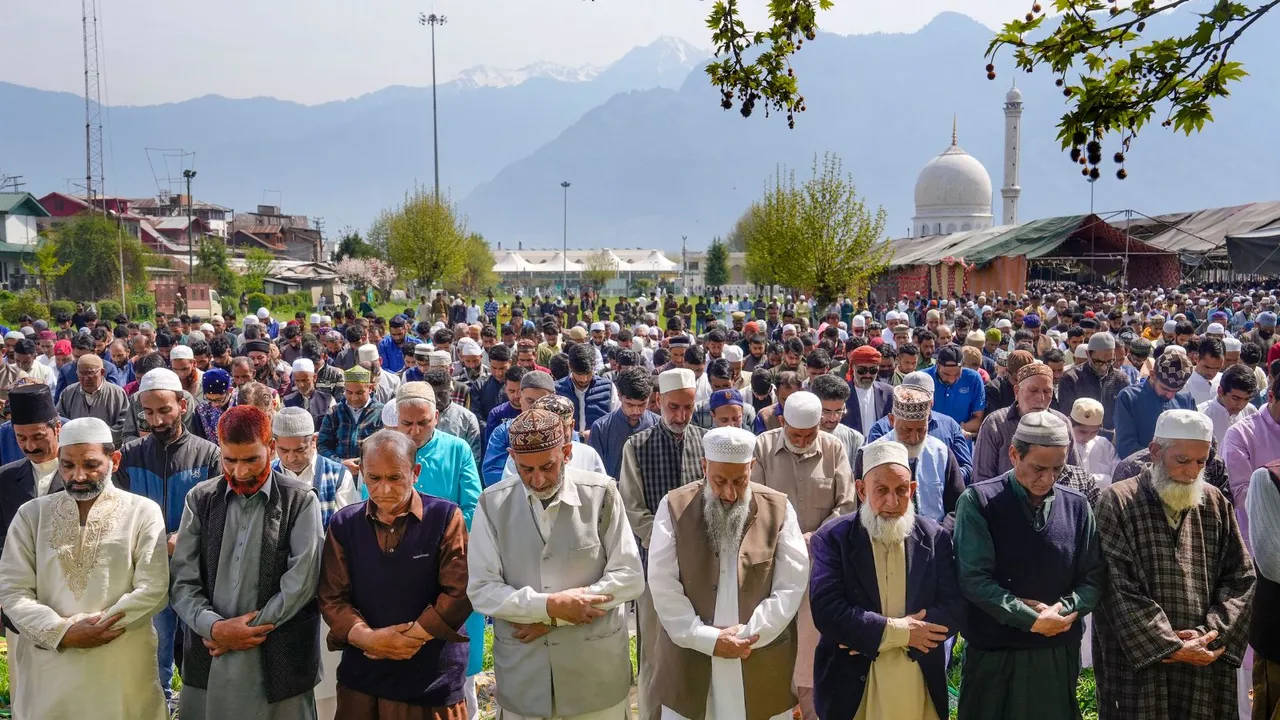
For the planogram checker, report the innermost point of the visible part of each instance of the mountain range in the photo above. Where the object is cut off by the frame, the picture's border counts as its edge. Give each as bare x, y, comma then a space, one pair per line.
649, 154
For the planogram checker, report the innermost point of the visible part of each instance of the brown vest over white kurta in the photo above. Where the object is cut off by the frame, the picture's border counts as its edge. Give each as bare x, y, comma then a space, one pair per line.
682, 677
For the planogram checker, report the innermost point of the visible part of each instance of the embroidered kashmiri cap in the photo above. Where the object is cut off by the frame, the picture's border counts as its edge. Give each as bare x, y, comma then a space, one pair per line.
1042, 428
357, 374
910, 403
1173, 370
215, 380
1087, 411
1184, 425
1033, 369
293, 422
721, 398
85, 430
884, 452
439, 358
729, 445
557, 404
536, 431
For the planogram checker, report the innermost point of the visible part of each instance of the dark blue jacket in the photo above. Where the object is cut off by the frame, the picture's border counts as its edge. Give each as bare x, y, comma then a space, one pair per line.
596, 400
845, 598
882, 403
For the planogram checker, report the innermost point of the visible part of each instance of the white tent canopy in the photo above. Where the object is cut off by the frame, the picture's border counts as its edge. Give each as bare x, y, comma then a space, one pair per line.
557, 263
655, 261
511, 263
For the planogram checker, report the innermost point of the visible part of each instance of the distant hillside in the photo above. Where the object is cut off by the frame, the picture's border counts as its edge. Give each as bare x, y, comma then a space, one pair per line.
343, 160
650, 166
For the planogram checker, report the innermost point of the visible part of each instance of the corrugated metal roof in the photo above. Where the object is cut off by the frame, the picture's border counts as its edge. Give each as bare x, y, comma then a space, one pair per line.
1208, 229
21, 203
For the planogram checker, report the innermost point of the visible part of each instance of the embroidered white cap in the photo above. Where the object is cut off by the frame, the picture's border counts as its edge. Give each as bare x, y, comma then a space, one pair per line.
303, 365
160, 379
729, 445
367, 352
677, 379
1181, 425
802, 410
181, 352
883, 452
733, 354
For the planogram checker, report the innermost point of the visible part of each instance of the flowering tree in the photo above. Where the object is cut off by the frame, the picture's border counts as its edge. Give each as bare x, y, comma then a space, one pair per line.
367, 272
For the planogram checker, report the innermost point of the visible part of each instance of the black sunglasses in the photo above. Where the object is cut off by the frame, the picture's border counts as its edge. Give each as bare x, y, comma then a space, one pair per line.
867, 370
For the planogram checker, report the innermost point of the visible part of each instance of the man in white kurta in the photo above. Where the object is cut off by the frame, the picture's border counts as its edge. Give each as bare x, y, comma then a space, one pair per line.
1235, 387
1095, 454
82, 574
728, 454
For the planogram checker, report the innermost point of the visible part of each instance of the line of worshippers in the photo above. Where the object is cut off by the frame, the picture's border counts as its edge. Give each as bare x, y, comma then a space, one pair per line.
818, 477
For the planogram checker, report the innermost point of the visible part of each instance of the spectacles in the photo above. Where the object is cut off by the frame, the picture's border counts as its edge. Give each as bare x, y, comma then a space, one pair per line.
867, 370
837, 414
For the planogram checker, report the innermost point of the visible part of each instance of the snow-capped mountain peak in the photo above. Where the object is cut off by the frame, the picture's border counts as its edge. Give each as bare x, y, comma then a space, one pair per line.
485, 76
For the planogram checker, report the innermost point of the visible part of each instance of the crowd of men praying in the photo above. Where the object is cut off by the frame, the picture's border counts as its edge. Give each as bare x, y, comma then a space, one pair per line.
797, 510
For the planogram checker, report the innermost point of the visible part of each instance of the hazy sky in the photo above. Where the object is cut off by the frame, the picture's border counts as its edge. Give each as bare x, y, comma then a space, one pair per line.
313, 51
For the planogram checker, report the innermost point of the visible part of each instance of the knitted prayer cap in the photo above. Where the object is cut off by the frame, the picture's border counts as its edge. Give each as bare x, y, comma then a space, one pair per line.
292, 422
536, 431
911, 403
1173, 370
1042, 428
558, 404
1033, 369
1087, 411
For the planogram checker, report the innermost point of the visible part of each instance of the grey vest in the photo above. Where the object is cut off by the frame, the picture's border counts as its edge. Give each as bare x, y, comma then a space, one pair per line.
291, 652
573, 669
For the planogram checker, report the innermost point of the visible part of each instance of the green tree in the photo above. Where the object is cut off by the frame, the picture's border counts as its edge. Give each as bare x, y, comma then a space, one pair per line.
45, 268
817, 236
212, 268
716, 272
426, 238
477, 269
1116, 79
599, 268
353, 246
737, 237
258, 264
91, 246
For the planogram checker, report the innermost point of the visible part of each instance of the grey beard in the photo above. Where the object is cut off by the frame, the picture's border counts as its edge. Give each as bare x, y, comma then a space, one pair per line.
675, 430
796, 449
725, 526
86, 495
1178, 496
887, 531
551, 492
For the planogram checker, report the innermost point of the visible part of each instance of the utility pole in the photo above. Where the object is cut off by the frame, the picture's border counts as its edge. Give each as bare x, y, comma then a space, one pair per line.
191, 257
319, 223
433, 20
564, 250
684, 264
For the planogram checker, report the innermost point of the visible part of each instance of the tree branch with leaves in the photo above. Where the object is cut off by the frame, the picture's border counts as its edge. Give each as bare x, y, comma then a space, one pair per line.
1116, 79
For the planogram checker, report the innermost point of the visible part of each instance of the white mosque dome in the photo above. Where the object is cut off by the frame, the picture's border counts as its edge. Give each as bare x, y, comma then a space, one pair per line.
954, 180
1013, 96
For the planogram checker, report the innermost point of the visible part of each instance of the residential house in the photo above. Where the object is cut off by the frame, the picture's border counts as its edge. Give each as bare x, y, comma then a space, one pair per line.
20, 215
215, 217
286, 236
63, 206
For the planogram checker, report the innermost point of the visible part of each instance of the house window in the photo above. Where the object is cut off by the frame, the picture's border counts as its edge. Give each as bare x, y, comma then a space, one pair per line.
693, 266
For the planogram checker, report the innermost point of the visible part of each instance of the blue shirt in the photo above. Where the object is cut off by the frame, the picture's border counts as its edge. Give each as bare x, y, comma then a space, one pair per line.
944, 429
961, 399
1137, 409
391, 354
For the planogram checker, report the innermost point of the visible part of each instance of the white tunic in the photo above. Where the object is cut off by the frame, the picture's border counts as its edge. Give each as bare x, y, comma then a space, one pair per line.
1201, 390
1223, 420
54, 573
725, 697
1098, 458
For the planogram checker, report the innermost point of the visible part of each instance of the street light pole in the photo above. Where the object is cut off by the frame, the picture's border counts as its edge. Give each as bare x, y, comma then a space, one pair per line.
564, 250
191, 262
433, 20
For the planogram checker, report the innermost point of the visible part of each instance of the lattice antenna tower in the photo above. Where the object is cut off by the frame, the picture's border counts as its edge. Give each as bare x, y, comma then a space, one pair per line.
93, 174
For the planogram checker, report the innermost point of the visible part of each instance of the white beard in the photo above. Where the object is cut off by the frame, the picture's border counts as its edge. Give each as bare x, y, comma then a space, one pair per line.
675, 429
890, 532
1177, 496
551, 492
796, 449
725, 525
913, 451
